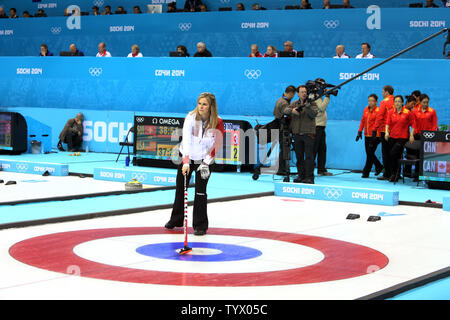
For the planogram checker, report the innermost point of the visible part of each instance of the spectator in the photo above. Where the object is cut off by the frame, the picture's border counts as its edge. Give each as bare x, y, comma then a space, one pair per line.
431, 4
203, 8
172, 7
340, 52
135, 52
255, 52
192, 5
95, 11
41, 13
304, 4
182, 50
271, 52
3, 15
240, 7
66, 12
120, 10
26, 14
13, 13
137, 10
289, 47
256, 6
326, 4
72, 134
202, 51
44, 51
365, 48
346, 4
446, 3
102, 52
73, 48
107, 11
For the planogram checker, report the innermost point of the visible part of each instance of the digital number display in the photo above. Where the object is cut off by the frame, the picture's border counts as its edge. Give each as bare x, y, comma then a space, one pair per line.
5, 131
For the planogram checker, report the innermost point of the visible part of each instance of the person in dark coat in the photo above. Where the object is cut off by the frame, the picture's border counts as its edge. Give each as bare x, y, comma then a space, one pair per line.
72, 134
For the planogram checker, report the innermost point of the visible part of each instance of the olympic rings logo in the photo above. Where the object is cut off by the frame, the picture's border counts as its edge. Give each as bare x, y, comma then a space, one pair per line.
252, 74
141, 177
186, 26
55, 30
332, 193
140, 119
22, 166
98, 3
331, 24
95, 72
428, 135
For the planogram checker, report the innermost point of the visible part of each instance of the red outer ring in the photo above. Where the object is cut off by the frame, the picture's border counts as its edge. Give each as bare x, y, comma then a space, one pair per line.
342, 260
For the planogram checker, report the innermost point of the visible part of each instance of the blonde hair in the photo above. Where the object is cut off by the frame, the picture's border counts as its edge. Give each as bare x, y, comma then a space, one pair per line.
213, 113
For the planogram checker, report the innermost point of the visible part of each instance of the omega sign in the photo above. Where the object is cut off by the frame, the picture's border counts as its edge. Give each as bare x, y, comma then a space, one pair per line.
166, 121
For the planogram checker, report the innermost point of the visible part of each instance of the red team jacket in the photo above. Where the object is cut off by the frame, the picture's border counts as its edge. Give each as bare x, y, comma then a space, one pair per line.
368, 121
385, 107
425, 121
399, 123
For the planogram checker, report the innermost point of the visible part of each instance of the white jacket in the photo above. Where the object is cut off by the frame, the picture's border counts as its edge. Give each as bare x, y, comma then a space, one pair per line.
199, 144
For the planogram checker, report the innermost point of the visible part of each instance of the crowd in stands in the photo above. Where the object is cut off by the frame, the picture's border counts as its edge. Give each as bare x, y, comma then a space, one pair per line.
199, 6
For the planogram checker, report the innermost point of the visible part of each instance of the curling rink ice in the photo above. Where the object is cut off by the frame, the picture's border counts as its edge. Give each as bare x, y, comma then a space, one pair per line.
262, 248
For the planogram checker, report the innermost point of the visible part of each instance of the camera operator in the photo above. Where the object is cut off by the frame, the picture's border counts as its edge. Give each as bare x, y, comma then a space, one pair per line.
303, 114
320, 144
280, 105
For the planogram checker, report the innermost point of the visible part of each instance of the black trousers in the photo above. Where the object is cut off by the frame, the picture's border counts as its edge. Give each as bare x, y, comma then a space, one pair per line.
396, 147
385, 156
304, 151
320, 148
371, 145
73, 141
200, 216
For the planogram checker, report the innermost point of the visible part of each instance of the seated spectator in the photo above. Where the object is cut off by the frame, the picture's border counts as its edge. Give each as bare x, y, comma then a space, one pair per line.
135, 52
365, 48
41, 13
172, 7
326, 4
446, 3
120, 10
107, 11
431, 4
203, 8
72, 134
73, 48
289, 47
44, 51
182, 50
192, 5
340, 52
240, 7
3, 15
255, 52
137, 10
202, 51
271, 52
26, 14
95, 11
102, 52
256, 6
346, 4
66, 12
304, 4
13, 13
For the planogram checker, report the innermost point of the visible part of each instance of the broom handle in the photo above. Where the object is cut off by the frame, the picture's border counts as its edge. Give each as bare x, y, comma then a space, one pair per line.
185, 211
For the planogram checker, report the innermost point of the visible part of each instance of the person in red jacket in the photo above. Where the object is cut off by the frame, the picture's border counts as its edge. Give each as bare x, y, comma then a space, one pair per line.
397, 133
380, 124
255, 52
202, 136
426, 117
371, 143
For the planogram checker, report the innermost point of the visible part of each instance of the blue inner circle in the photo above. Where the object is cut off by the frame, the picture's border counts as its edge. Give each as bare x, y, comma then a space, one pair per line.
168, 250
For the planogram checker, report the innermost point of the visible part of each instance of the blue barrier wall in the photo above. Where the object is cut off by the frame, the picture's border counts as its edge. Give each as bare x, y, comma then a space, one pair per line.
110, 91
230, 34
56, 7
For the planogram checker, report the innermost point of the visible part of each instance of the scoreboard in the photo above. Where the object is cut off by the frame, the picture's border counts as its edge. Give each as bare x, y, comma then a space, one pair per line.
158, 138
5, 131
436, 156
